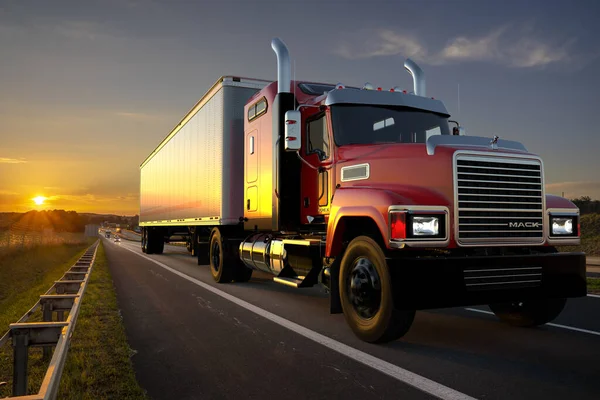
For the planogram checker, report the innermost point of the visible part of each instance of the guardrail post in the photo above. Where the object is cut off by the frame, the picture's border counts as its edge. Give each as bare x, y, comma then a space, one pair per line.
47, 316
60, 314
20, 359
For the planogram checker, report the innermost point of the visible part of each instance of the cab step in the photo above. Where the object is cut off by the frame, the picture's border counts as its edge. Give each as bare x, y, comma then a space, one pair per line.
293, 281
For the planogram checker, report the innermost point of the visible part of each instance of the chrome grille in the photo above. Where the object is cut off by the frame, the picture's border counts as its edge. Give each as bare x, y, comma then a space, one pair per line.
499, 200
502, 278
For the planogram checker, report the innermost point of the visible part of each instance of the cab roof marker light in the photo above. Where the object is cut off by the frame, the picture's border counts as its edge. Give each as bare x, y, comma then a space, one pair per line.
340, 85
368, 86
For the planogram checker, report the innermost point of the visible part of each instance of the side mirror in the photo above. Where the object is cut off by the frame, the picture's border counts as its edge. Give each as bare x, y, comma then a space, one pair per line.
292, 136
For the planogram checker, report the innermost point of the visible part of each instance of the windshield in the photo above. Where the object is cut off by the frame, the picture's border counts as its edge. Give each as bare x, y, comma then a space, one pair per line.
368, 124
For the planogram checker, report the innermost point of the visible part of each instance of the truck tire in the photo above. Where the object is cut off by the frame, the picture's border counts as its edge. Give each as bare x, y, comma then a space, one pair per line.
221, 266
526, 313
366, 294
155, 243
242, 273
159, 243
144, 240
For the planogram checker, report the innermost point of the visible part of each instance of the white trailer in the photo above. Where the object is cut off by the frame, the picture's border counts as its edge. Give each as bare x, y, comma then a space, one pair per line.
194, 176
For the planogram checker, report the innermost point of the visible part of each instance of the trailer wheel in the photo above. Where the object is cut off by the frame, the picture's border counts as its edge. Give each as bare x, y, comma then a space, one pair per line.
159, 242
221, 267
149, 244
144, 240
153, 241
366, 294
527, 313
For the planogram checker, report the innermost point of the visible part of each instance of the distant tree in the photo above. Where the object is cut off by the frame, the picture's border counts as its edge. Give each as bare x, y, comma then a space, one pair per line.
586, 205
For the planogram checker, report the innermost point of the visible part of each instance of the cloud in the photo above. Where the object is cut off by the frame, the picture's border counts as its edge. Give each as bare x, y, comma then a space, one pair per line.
509, 46
5, 160
380, 43
473, 49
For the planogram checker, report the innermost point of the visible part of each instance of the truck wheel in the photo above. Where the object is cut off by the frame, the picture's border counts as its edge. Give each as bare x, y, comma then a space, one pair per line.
155, 243
366, 294
144, 241
221, 267
529, 312
159, 243
149, 243
242, 273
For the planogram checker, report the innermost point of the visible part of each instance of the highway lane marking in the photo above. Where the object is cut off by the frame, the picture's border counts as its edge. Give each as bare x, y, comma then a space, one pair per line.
594, 295
410, 378
571, 328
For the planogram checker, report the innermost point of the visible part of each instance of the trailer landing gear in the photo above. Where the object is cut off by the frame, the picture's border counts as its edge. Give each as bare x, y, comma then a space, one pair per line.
366, 294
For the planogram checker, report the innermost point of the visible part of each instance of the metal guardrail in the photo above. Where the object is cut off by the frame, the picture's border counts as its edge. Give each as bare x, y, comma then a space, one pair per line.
64, 295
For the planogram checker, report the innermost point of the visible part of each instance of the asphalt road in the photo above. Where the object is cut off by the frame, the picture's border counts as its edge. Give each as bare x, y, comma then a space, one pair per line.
196, 339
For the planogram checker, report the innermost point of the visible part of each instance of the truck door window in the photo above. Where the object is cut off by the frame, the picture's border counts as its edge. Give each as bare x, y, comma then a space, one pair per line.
318, 138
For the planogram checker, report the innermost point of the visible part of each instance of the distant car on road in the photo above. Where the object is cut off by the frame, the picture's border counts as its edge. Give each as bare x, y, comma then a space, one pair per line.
108, 234
117, 239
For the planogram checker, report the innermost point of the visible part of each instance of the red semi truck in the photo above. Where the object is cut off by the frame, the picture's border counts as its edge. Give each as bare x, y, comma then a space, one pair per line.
372, 193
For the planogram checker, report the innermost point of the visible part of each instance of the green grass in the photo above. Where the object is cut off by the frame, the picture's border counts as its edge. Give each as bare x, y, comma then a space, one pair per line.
99, 364
24, 276
593, 285
591, 245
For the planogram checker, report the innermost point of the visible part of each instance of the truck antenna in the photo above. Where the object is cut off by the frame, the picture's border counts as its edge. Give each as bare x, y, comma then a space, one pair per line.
295, 81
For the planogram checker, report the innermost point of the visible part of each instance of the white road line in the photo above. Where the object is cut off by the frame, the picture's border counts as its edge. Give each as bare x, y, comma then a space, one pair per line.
571, 328
426, 385
594, 295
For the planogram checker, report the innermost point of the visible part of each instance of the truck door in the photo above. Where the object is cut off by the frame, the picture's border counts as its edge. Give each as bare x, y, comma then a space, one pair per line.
315, 181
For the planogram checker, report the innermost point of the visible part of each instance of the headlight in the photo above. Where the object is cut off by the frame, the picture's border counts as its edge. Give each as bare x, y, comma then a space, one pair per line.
418, 227
425, 226
562, 226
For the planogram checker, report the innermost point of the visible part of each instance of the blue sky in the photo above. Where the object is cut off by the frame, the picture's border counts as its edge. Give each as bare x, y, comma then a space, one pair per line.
90, 87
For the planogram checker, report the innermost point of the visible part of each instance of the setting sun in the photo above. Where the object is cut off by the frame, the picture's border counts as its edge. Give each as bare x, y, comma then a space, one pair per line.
39, 200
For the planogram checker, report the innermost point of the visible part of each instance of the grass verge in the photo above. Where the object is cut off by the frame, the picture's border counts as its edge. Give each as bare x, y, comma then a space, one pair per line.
99, 360
24, 276
593, 285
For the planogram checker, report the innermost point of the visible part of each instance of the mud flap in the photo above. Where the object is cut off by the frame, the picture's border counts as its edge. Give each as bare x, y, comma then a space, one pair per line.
335, 303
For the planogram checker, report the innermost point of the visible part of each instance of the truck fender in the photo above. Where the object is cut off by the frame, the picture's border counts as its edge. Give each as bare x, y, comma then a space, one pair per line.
367, 204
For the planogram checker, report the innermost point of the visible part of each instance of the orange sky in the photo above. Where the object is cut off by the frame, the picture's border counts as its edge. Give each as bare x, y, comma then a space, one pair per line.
94, 170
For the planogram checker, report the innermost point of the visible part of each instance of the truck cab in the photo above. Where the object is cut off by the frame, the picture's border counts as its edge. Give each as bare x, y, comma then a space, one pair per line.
407, 213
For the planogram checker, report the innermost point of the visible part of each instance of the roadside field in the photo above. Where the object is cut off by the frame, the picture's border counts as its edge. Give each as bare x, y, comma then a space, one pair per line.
24, 276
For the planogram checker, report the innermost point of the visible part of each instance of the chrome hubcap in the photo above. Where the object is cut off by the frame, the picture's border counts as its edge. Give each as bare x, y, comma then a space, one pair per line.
364, 288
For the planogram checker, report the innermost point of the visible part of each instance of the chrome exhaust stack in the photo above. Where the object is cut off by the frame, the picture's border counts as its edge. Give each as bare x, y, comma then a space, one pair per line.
284, 69
418, 76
